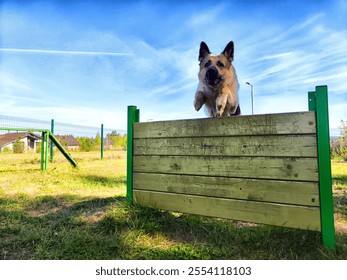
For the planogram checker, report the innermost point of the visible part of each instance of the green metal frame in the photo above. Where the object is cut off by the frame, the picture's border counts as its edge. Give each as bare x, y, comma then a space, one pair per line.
46, 135
318, 102
44, 149
61, 149
133, 117
52, 145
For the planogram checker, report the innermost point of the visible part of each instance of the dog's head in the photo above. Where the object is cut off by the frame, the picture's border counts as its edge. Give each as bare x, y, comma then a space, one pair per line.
215, 68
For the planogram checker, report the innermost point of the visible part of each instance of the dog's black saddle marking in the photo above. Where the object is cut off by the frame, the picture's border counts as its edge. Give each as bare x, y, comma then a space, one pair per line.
237, 112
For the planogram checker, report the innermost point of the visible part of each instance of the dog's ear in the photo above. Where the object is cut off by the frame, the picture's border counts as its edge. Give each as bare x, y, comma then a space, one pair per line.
204, 50
229, 51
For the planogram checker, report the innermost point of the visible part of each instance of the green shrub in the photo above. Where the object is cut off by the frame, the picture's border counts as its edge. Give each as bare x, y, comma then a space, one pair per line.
6, 150
18, 147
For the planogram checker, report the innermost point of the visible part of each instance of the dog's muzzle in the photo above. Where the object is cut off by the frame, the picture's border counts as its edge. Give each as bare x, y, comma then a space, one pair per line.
212, 77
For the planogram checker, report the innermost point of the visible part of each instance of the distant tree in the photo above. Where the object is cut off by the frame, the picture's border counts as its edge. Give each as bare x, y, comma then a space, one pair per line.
86, 144
118, 141
18, 147
343, 140
343, 129
339, 147
113, 133
97, 142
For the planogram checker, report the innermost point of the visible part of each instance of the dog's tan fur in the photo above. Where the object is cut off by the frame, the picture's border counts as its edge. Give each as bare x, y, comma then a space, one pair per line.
218, 85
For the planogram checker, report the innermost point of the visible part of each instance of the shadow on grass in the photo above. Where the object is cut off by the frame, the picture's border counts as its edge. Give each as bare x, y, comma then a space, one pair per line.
340, 202
55, 227
120, 180
340, 179
71, 227
157, 234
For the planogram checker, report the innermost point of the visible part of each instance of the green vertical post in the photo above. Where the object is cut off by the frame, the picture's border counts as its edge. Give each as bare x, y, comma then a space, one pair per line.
52, 145
42, 162
133, 117
46, 149
102, 141
319, 103
312, 101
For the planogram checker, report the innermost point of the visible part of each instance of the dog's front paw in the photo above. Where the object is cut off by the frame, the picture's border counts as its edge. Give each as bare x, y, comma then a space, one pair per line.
220, 110
220, 105
199, 100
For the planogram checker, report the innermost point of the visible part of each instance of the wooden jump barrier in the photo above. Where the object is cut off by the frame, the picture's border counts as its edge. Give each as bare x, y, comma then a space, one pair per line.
271, 169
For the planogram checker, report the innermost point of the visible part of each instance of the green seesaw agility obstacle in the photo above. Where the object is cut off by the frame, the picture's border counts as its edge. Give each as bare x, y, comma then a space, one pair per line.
46, 135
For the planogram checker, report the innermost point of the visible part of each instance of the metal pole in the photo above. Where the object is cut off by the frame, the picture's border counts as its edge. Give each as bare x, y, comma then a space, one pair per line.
133, 117
52, 145
42, 162
318, 101
63, 151
252, 96
46, 149
102, 141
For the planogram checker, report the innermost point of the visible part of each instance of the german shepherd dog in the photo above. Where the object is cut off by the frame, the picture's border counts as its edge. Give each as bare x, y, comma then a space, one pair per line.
218, 83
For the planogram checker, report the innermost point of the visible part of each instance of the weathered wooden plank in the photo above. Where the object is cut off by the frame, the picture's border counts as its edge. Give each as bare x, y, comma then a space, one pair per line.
258, 212
272, 124
287, 192
281, 146
297, 169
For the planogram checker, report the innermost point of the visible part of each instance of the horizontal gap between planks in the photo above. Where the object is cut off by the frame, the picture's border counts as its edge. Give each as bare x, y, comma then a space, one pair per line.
229, 136
225, 177
226, 157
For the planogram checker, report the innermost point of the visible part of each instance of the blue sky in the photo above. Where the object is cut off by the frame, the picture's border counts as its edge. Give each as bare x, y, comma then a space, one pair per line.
83, 62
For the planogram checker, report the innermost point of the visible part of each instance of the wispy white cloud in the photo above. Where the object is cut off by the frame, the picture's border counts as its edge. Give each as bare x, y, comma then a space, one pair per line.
9, 82
274, 56
62, 52
201, 18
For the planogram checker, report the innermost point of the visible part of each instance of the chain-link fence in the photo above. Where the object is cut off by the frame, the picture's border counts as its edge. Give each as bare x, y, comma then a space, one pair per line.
72, 136
59, 127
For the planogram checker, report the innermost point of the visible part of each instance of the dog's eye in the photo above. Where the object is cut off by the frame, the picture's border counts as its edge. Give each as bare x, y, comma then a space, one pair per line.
208, 63
220, 64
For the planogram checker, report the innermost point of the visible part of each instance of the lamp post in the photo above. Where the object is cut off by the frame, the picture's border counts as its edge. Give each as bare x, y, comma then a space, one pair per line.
252, 96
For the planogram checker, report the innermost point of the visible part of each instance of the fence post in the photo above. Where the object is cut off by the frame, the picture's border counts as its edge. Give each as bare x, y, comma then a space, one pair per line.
52, 145
324, 163
102, 141
318, 101
312, 101
42, 162
133, 117
46, 148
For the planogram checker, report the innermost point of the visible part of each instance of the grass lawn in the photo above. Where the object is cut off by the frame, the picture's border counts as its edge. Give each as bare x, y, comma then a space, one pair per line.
67, 213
